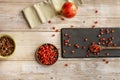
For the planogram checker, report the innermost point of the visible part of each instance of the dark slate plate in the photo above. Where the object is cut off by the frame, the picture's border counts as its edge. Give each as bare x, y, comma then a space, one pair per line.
79, 34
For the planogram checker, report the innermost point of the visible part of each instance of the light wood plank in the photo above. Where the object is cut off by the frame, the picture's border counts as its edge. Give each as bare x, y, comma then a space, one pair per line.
12, 18
28, 42
78, 70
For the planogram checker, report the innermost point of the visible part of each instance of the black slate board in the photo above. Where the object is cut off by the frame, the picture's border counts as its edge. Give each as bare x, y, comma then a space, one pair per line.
79, 34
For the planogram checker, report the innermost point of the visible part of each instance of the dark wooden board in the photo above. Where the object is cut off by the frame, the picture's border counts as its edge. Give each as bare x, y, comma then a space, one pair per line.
79, 34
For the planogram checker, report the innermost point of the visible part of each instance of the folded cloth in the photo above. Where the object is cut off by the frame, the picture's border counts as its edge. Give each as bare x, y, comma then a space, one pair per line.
42, 12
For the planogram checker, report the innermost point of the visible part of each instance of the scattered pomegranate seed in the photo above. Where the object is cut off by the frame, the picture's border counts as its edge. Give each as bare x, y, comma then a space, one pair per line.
101, 32
98, 43
69, 45
96, 11
93, 26
102, 39
101, 29
66, 65
107, 31
53, 28
99, 35
73, 51
49, 21
112, 38
62, 19
86, 39
77, 46
72, 26
64, 51
92, 43
106, 62
104, 59
66, 44
95, 22
103, 43
83, 21
69, 36
65, 34
56, 30
83, 47
53, 35
107, 54
66, 41
113, 31
51, 78
114, 44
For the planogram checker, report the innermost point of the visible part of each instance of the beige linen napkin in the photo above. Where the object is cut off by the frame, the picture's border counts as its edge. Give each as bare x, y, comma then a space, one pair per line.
44, 11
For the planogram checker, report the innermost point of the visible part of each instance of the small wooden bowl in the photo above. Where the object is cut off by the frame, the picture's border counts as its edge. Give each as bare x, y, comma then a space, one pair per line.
5, 35
36, 54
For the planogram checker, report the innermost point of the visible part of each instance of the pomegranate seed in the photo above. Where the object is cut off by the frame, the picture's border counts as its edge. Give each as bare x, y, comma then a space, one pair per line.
112, 38
107, 54
96, 11
83, 47
53, 28
51, 78
62, 19
95, 22
103, 43
86, 39
114, 44
72, 26
73, 51
65, 34
64, 51
49, 21
53, 35
104, 59
113, 31
107, 31
69, 36
77, 46
98, 43
66, 44
102, 39
66, 41
56, 30
66, 65
106, 62
69, 45
101, 29
93, 26
87, 56
92, 43
101, 32
99, 35
83, 21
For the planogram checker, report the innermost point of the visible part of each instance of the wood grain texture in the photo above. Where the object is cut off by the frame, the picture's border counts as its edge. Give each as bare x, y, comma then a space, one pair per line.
22, 65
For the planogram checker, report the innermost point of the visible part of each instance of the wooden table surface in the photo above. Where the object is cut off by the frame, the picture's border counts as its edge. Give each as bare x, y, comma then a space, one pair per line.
22, 65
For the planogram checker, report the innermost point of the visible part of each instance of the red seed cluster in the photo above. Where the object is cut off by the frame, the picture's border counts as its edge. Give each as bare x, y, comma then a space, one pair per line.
95, 48
47, 54
106, 61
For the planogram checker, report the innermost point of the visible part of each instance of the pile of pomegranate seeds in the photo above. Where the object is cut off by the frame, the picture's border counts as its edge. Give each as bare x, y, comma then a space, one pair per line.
47, 54
95, 48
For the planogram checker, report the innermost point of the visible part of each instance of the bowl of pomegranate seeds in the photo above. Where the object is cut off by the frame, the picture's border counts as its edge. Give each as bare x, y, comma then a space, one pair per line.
46, 54
7, 46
